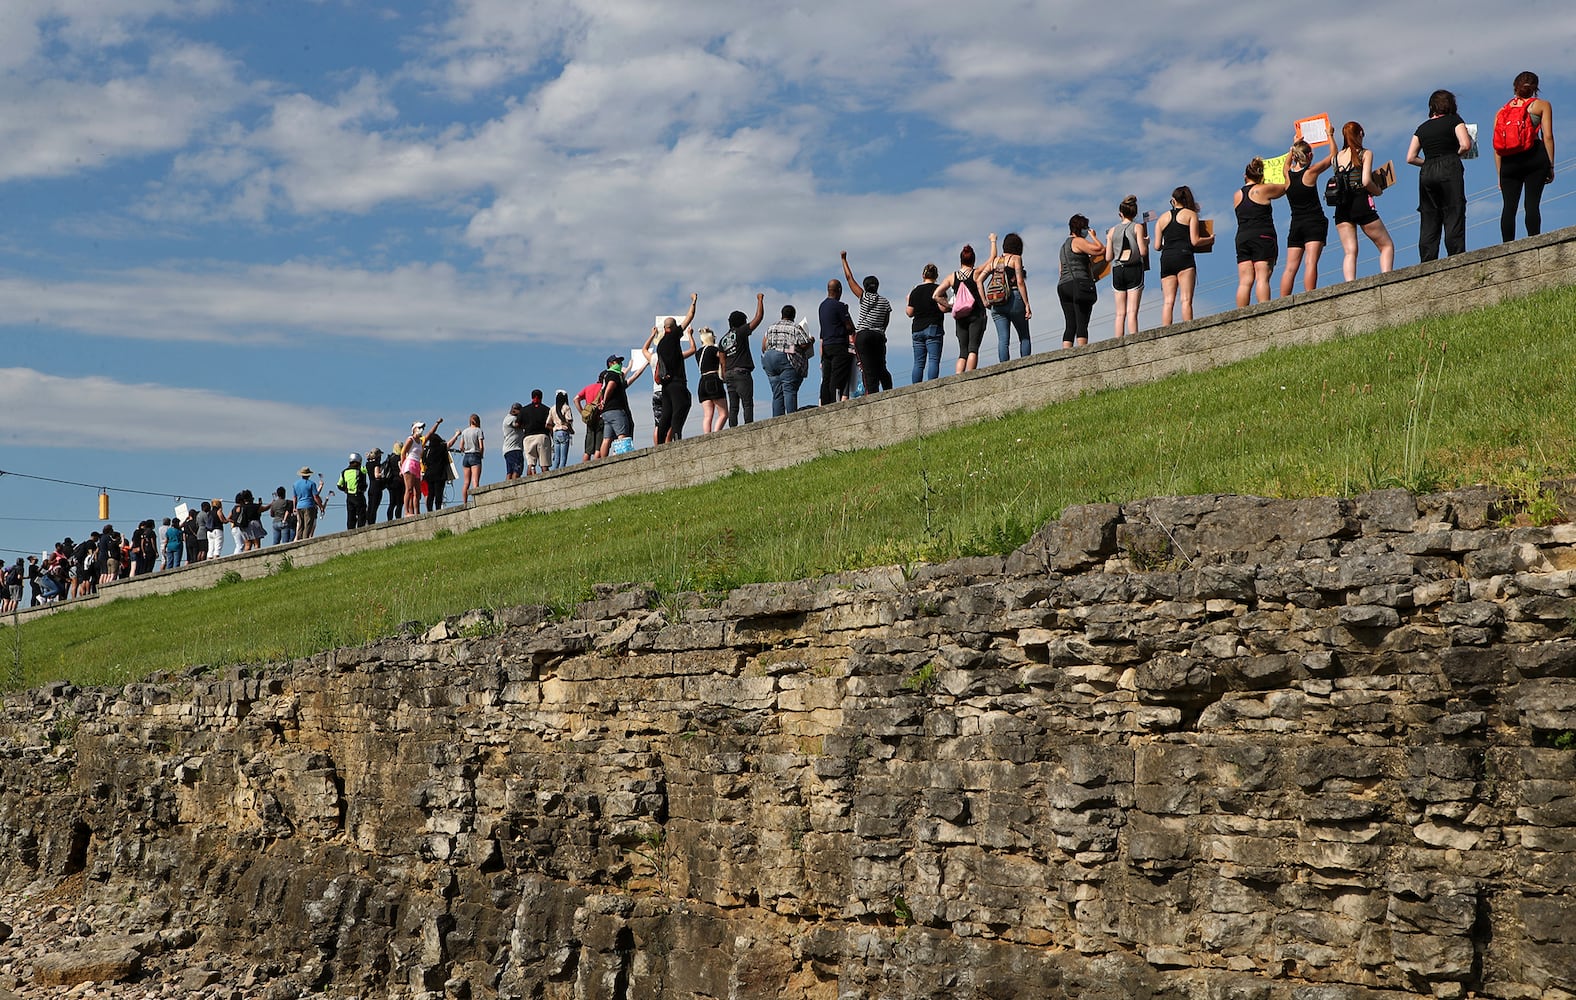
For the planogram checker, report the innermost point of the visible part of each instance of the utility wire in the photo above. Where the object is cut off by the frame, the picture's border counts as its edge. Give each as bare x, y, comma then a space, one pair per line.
105, 489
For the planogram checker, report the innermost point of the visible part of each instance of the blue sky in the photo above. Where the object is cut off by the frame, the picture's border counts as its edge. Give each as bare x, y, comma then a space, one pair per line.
243, 237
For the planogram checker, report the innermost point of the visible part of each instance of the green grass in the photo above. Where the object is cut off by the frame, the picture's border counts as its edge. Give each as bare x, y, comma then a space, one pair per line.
1483, 397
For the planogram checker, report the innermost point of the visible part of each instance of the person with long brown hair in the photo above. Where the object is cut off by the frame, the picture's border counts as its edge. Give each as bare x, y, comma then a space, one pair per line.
1256, 249
1309, 229
1530, 170
1178, 233
1127, 245
1356, 210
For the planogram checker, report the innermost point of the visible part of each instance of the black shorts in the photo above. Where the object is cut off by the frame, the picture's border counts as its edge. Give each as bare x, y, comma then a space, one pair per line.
1357, 211
1257, 247
1127, 277
710, 387
1173, 263
1308, 229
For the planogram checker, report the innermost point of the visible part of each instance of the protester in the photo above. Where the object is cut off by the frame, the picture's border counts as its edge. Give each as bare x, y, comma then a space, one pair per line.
279, 513
925, 313
214, 528
1437, 147
308, 499
1256, 244
586, 402
473, 445
786, 361
612, 402
513, 444
710, 390
375, 485
562, 423
1354, 167
968, 312
1528, 170
437, 467
1309, 229
837, 344
670, 373
537, 445
870, 338
1011, 312
393, 483
1178, 235
1075, 283
1127, 244
739, 366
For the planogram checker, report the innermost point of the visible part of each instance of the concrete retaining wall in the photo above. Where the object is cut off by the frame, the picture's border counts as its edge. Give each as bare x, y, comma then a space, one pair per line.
1459, 284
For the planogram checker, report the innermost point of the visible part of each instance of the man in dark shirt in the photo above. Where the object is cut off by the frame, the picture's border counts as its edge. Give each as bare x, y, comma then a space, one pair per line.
534, 440
613, 401
837, 341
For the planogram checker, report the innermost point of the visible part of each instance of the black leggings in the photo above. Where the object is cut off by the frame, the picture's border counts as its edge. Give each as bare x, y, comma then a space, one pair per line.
1527, 172
1078, 298
835, 364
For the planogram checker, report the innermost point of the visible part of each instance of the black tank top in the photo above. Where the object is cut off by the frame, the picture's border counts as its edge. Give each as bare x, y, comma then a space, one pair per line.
1253, 217
1304, 200
1176, 237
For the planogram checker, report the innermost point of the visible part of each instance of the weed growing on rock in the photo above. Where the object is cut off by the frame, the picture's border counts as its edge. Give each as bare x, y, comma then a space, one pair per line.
923, 680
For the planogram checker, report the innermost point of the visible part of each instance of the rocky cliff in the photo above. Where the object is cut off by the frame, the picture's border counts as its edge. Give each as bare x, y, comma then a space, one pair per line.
1210, 747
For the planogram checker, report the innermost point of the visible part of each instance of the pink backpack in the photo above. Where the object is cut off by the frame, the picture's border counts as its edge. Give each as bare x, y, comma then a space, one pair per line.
963, 302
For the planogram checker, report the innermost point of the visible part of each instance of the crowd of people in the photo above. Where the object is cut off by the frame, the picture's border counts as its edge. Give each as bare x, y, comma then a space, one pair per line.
537, 438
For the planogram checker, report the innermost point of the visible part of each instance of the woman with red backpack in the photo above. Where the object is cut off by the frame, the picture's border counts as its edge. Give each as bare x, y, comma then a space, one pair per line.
1523, 154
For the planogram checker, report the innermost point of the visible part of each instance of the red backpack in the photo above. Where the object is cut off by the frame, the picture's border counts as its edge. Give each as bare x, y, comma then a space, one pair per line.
1514, 131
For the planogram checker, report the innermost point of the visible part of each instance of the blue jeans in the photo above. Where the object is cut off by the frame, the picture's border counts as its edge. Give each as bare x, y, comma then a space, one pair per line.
785, 379
172, 558
1011, 314
927, 353
561, 448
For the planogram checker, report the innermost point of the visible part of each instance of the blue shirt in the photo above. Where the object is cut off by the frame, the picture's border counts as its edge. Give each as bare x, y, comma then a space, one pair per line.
305, 493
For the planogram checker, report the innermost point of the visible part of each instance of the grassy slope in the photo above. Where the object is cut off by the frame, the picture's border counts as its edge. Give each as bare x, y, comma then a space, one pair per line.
1476, 398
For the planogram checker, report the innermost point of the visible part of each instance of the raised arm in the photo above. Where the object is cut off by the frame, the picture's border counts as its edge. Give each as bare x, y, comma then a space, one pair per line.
848, 272
689, 317
760, 310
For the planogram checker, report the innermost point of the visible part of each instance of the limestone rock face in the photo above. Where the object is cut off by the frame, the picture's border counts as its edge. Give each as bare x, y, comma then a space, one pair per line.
1199, 747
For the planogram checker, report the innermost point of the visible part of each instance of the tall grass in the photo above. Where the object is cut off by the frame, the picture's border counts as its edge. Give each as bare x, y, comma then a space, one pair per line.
1335, 419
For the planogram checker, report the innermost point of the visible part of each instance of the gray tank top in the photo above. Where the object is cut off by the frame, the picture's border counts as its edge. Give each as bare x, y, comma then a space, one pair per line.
1075, 265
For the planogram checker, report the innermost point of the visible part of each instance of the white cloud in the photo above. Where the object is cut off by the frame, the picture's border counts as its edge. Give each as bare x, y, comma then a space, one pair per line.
416, 303
39, 408
56, 126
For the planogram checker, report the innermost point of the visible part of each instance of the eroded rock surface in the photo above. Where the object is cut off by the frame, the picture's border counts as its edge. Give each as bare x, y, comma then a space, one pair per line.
1199, 747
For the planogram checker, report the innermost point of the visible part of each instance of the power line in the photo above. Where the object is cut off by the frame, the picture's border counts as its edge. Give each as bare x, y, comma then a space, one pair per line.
105, 489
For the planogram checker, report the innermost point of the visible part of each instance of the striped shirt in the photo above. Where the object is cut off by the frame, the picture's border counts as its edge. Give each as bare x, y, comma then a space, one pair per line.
875, 312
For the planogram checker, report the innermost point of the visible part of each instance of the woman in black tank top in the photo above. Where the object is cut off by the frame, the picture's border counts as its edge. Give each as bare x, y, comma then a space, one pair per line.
1309, 229
1256, 250
1177, 235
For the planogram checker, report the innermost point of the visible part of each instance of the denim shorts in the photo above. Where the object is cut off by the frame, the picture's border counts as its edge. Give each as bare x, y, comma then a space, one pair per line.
514, 463
472, 460
616, 423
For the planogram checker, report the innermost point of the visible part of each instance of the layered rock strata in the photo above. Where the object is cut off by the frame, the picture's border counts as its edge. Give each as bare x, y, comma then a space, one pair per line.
1204, 747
